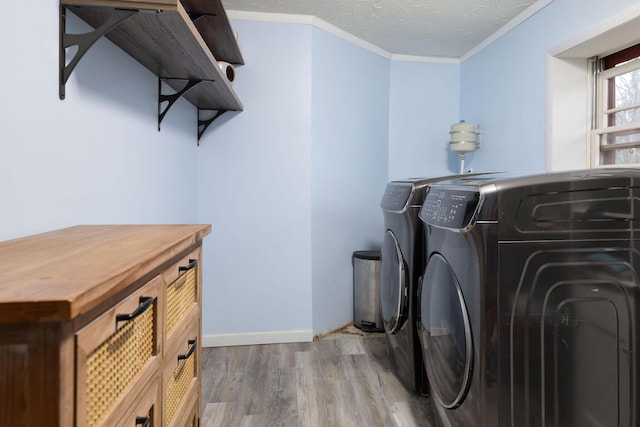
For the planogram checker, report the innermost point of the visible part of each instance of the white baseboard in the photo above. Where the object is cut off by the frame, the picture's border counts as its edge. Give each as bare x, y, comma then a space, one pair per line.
252, 338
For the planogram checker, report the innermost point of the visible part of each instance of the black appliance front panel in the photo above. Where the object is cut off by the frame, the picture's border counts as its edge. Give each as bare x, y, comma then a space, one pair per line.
396, 196
569, 333
449, 208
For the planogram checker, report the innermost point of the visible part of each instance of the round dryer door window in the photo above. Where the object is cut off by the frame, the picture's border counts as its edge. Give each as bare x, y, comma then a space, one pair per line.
445, 333
393, 283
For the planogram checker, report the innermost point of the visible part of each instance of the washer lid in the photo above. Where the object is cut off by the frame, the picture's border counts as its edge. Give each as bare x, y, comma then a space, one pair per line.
393, 284
445, 333
396, 196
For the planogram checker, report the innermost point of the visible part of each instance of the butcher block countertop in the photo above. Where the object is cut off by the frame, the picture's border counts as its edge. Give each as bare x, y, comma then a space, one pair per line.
59, 275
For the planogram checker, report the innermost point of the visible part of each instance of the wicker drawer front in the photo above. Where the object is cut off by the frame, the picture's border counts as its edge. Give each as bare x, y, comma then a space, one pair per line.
192, 417
114, 351
182, 291
146, 410
181, 298
181, 372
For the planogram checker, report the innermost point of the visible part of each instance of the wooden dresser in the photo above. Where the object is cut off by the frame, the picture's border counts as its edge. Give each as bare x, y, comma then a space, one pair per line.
101, 325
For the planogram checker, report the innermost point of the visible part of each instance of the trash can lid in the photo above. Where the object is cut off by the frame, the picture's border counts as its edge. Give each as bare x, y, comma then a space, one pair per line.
373, 255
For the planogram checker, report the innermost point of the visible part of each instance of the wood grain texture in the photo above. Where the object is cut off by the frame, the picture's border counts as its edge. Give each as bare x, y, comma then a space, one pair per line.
84, 276
148, 405
213, 26
168, 43
326, 383
33, 369
215, 29
57, 276
126, 4
13, 371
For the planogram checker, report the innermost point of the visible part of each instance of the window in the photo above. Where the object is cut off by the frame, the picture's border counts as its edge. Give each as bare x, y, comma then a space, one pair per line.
615, 138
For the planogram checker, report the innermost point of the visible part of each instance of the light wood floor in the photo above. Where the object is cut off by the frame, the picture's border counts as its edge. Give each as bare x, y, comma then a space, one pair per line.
339, 382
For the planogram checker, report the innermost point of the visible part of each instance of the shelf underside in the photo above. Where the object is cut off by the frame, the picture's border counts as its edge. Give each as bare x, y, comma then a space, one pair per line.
169, 45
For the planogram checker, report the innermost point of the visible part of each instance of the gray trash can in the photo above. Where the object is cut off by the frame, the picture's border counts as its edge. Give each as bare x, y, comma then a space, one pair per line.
367, 314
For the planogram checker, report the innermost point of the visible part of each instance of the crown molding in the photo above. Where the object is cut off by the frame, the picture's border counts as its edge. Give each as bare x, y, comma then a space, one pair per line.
314, 21
519, 19
332, 29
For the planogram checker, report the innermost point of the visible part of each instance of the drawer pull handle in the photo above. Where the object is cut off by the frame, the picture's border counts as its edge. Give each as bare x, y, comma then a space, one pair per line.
145, 303
193, 343
143, 421
192, 264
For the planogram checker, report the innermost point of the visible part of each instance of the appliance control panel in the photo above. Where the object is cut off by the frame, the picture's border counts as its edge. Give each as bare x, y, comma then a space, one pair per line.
396, 196
449, 208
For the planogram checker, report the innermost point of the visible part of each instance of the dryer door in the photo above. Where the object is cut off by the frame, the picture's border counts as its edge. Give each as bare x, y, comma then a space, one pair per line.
445, 333
393, 284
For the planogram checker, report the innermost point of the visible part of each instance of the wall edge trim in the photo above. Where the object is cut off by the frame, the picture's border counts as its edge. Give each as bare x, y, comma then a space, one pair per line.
519, 19
286, 18
255, 338
332, 29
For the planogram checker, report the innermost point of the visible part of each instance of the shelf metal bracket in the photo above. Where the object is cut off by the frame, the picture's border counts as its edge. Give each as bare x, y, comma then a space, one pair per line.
83, 41
170, 99
203, 124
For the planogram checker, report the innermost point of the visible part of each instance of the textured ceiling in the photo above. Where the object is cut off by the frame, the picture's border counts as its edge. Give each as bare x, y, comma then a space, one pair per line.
448, 28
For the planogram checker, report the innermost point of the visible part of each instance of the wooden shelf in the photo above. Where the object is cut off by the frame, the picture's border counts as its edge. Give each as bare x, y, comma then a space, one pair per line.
215, 29
163, 38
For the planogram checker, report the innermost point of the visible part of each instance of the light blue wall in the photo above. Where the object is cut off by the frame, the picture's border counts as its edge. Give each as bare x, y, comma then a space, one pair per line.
255, 177
424, 102
503, 87
350, 98
292, 184
96, 157
286, 182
